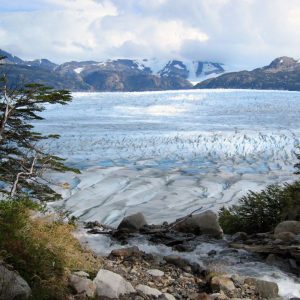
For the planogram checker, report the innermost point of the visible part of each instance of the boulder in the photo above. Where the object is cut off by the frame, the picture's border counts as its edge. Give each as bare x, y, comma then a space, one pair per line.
166, 296
297, 239
126, 252
203, 296
282, 263
239, 236
148, 291
285, 236
82, 286
204, 223
12, 285
288, 226
111, 285
222, 283
176, 261
265, 289
132, 223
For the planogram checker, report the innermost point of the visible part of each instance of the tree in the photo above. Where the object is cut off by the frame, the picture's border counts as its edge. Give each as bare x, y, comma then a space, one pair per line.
297, 165
23, 160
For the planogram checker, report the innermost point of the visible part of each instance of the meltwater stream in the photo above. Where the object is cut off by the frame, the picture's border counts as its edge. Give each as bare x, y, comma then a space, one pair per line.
167, 153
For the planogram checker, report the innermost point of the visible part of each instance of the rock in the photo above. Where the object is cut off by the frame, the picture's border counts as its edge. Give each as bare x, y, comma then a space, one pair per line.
147, 290
228, 251
239, 236
156, 273
212, 253
83, 286
219, 296
288, 226
297, 238
279, 262
92, 224
176, 261
203, 296
204, 223
111, 285
184, 247
221, 283
81, 274
285, 236
166, 296
133, 223
12, 285
265, 289
197, 269
126, 252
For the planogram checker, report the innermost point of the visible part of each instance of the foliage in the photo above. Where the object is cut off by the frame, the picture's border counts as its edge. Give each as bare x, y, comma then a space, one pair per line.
297, 165
42, 250
23, 160
261, 212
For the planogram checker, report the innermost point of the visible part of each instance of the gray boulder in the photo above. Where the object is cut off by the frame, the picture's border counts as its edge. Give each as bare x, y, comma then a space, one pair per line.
222, 283
265, 289
297, 238
166, 296
82, 286
204, 223
285, 236
111, 285
288, 226
148, 291
126, 252
176, 261
133, 223
12, 285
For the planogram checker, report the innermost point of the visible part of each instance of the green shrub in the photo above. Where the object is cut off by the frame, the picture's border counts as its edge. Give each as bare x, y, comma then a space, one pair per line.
261, 212
42, 251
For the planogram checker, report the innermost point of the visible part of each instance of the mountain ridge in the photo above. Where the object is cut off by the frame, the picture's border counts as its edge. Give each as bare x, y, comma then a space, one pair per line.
111, 75
283, 73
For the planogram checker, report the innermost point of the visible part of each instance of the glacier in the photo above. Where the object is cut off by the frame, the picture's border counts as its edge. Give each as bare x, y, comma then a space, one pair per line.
167, 153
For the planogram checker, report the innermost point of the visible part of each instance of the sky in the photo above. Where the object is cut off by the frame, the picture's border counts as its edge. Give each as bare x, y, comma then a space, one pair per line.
247, 33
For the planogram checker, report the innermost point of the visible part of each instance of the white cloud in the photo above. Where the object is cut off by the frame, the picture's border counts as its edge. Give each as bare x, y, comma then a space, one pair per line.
247, 32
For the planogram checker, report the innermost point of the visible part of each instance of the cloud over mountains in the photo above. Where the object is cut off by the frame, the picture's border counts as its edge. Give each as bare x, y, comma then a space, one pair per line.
245, 32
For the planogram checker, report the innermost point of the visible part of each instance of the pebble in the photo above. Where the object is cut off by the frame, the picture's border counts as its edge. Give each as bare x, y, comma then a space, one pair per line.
156, 273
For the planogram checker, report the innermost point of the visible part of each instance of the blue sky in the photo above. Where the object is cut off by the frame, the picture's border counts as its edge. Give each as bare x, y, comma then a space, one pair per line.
241, 32
22, 6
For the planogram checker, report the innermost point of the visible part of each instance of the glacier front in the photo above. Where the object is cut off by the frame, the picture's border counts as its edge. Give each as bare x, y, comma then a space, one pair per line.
168, 153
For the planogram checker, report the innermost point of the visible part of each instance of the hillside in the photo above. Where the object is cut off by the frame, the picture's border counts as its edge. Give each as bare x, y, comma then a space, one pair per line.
283, 73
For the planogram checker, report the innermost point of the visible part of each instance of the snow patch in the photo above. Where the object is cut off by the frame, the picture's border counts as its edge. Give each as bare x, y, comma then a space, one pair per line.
78, 70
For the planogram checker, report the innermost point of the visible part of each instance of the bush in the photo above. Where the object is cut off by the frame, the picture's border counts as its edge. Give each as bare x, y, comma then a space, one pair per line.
261, 212
42, 251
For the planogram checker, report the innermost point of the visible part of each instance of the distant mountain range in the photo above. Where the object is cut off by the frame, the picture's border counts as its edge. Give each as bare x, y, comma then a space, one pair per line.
282, 74
110, 75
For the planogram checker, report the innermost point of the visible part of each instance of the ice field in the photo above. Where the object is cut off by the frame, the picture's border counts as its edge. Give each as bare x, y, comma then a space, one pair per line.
167, 153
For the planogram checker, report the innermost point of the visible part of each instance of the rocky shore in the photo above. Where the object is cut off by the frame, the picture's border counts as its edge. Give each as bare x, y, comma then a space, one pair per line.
129, 273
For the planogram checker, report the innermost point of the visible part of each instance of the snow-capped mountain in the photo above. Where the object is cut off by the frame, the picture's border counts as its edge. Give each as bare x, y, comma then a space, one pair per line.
113, 75
193, 71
